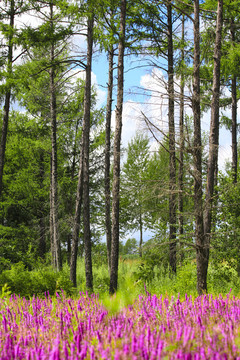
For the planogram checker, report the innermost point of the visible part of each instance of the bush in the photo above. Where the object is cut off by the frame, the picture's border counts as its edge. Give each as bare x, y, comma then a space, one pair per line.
222, 277
23, 282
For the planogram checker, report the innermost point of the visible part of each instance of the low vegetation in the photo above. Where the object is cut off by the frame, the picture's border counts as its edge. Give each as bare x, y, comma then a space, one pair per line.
135, 275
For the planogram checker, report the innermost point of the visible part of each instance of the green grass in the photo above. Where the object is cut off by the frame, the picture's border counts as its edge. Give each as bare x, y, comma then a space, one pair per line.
134, 279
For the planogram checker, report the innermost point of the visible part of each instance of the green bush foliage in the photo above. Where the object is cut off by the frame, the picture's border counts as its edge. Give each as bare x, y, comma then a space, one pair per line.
135, 277
23, 282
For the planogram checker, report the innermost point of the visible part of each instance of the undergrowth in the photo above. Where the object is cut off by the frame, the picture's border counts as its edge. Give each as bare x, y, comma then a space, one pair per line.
135, 277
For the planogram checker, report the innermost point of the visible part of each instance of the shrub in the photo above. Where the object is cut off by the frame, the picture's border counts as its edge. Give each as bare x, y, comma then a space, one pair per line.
23, 282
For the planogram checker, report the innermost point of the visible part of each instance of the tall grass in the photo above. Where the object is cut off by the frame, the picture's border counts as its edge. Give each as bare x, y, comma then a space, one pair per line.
134, 278
221, 278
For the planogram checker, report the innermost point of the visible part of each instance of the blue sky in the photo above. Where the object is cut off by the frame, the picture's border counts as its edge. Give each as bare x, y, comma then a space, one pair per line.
132, 108
141, 76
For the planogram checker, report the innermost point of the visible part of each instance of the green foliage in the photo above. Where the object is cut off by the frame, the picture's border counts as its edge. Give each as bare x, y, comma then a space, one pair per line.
134, 184
121, 299
144, 188
134, 279
27, 283
101, 279
223, 276
129, 248
25, 191
226, 240
5, 292
158, 280
154, 256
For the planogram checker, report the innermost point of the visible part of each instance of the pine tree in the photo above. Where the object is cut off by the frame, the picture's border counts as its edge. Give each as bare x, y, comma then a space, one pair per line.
13, 8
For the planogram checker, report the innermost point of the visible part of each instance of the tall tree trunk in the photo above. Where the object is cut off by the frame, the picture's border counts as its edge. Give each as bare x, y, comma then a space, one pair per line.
107, 157
7, 97
76, 224
172, 157
42, 238
116, 155
53, 260
70, 207
234, 114
197, 157
86, 133
234, 129
141, 233
77, 214
181, 150
54, 178
214, 132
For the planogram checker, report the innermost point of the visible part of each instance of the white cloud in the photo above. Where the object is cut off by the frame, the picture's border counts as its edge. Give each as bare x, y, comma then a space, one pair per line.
101, 94
28, 19
75, 74
224, 155
155, 107
131, 121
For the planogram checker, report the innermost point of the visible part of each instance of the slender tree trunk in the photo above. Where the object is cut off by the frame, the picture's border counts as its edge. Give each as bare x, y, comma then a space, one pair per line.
7, 98
42, 238
214, 131
141, 233
234, 129
116, 155
172, 157
54, 178
234, 115
197, 156
86, 133
82, 197
76, 224
107, 158
70, 209
53, 259
181, 150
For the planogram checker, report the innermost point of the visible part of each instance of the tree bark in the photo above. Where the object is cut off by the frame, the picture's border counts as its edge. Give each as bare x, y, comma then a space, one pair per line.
116, 155
7, 98
86, 134
172, 157
53, 260
107, 158
181, 150
73, 236
76, 224
54, 177
197, 157
214, 132
141, 233
234, 115
42, 238
54, 180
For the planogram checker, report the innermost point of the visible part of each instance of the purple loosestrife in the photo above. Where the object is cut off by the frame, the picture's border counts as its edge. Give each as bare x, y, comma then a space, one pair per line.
152, 328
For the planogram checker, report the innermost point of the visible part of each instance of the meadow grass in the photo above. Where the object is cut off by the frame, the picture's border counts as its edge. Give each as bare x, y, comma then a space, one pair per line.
221, 280
134, 279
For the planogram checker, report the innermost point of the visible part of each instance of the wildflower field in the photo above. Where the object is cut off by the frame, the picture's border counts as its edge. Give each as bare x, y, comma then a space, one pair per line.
151, 328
